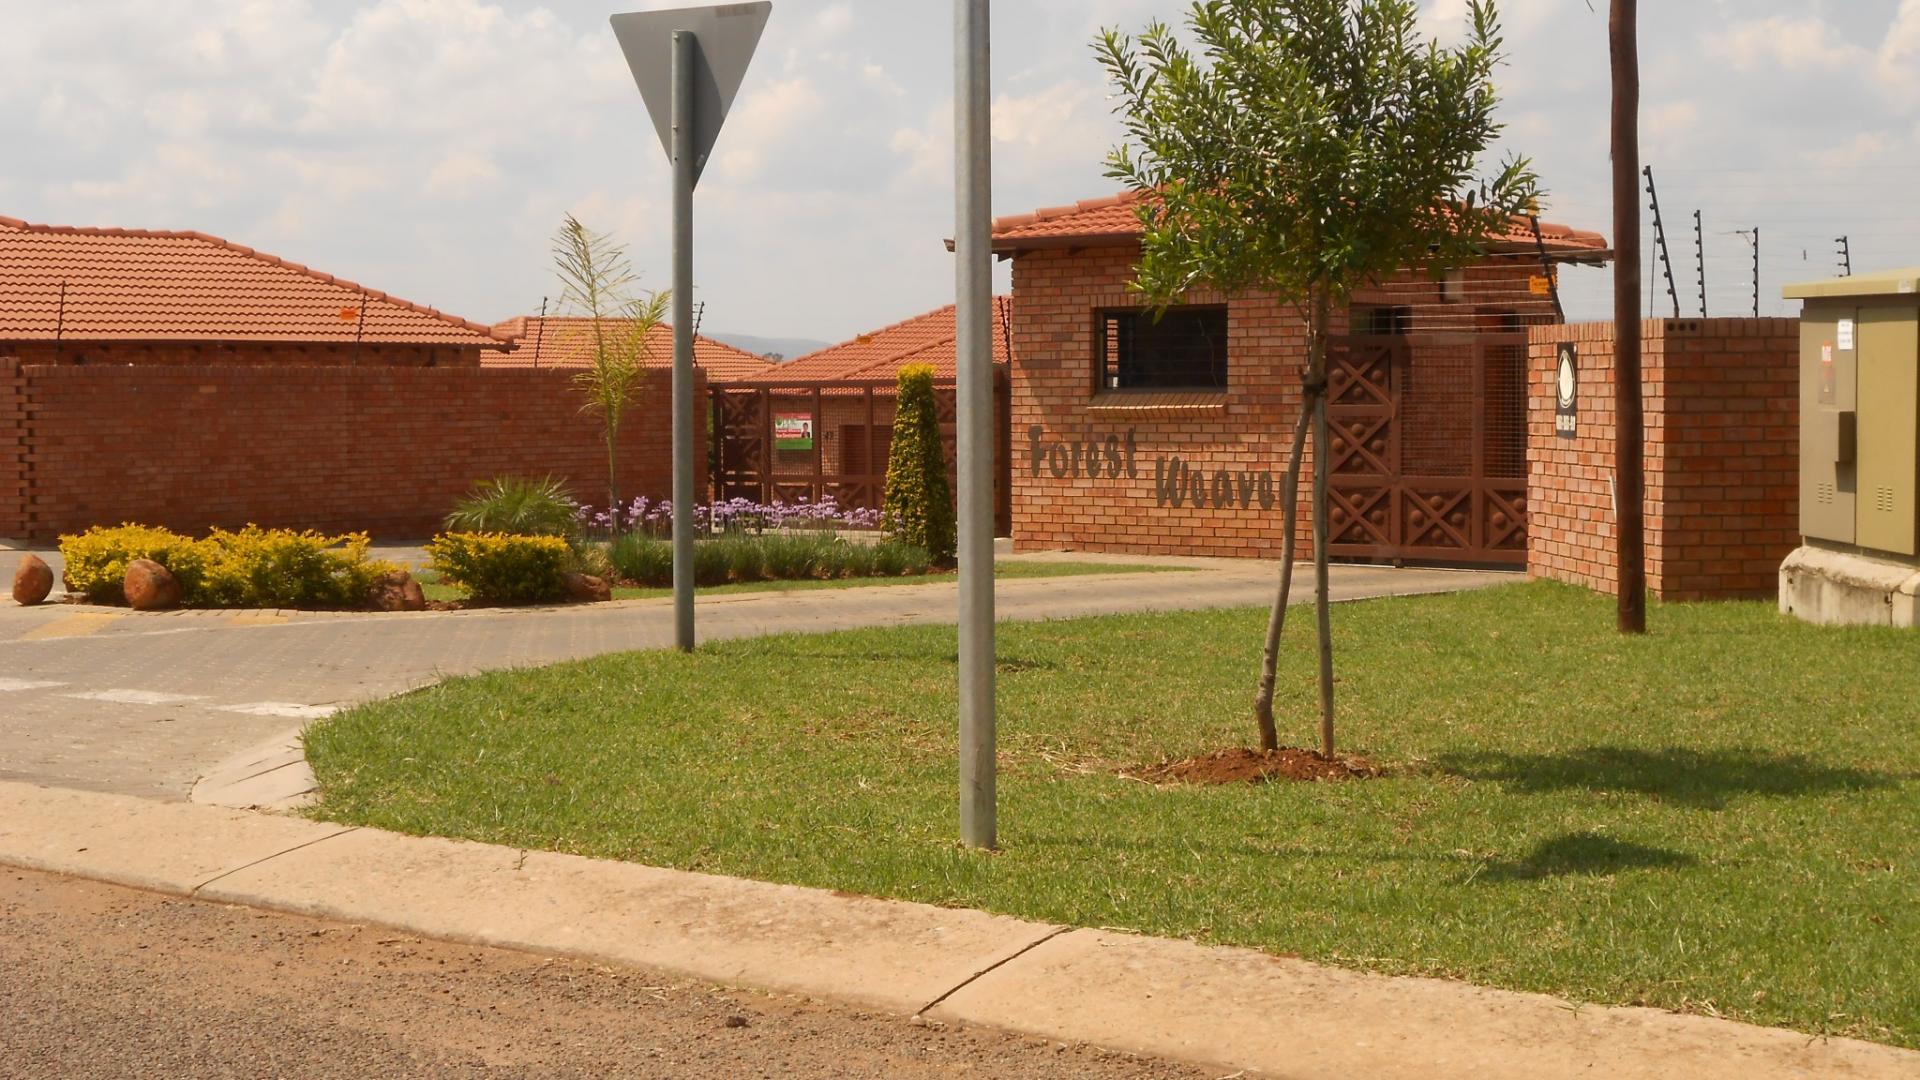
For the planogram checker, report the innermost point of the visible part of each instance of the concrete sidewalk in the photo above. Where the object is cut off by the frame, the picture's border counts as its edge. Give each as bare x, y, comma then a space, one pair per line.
1231, 1009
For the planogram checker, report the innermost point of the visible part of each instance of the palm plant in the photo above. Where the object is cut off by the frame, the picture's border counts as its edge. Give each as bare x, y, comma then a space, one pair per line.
517, 505
597, 281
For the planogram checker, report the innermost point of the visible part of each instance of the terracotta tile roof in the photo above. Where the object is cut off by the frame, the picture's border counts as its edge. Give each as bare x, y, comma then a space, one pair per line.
924, 339
139, 285
563, 341
1112, 221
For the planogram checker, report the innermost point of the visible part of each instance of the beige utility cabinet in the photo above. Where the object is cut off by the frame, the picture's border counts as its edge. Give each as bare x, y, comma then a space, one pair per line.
1859, 450
1860, 411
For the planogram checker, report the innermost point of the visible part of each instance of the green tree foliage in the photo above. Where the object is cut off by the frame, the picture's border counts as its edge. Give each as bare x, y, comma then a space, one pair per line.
919, 500
597, 281
1308, 147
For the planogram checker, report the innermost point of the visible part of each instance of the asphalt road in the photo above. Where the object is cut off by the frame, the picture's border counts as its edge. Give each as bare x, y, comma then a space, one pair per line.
100, 981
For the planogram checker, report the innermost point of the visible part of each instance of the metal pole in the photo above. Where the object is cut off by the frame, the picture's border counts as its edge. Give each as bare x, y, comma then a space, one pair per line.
1660, 236
683, 494
973, 255
1756, 271
1700, 258
1629, 417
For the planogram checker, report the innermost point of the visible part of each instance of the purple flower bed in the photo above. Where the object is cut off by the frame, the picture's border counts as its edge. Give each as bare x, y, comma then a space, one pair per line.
735, 515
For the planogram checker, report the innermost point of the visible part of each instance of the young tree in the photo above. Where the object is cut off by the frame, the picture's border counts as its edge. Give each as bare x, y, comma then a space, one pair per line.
596, 281
1307, 148
918, 508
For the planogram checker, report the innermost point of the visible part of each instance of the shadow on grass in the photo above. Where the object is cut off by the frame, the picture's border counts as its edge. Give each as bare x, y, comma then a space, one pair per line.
1581, 853
1706, 780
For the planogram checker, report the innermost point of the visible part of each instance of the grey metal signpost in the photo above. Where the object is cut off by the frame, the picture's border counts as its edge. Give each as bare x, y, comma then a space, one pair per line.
973, 252
688, 64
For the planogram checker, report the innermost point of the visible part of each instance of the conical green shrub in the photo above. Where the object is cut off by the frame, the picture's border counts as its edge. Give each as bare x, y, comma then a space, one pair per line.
919, 500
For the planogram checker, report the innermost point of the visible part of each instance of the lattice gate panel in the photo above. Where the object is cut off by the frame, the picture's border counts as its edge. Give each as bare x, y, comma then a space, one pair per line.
1427, 435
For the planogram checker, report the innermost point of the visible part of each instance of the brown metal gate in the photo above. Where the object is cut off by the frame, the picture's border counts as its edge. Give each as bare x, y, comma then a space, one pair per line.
1428, 440
851, 424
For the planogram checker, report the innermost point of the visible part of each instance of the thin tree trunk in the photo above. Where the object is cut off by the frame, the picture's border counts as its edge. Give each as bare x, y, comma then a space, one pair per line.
1628, 409
1277, 622
613, 477
1317, 351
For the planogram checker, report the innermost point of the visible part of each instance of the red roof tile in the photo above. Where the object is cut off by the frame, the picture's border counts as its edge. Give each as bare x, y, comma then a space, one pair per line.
1114, 221
564, 341
925, 339
138, 285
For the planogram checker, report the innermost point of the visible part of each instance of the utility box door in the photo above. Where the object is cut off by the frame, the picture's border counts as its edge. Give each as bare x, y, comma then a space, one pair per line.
1829, 385
1889, 398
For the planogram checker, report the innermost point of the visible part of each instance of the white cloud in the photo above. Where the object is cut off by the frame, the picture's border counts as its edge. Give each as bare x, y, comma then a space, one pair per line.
1796, 43
429, 147
1900, 52
836, 20
462, 174
1669, 124
766, 123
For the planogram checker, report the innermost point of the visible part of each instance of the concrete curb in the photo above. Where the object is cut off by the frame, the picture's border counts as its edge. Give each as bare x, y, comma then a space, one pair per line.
1226, 1008
273, 776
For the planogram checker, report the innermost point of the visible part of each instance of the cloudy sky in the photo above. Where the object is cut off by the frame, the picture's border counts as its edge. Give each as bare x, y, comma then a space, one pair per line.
429, 147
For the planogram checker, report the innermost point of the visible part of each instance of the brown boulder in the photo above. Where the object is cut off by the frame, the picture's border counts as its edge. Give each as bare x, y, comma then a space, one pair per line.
399, 592
32, 582
150, 586
588, 589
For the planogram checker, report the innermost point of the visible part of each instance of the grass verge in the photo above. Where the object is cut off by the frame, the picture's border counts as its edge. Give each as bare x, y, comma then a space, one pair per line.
1718, 818
1008, 570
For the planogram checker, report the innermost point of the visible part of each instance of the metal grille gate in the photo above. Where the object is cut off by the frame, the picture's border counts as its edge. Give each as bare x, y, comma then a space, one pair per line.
1428, 441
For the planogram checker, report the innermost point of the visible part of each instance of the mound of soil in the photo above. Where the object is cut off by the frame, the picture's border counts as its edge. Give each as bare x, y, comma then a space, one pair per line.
1240, 766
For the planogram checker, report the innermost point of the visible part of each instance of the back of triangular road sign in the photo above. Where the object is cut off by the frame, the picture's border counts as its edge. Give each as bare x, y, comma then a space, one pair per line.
726, 35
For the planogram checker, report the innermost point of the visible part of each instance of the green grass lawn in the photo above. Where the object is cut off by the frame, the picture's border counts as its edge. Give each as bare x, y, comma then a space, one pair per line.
1723, 817
1022, 569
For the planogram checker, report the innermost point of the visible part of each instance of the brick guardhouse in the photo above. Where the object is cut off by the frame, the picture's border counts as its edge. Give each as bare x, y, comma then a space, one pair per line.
1170, 436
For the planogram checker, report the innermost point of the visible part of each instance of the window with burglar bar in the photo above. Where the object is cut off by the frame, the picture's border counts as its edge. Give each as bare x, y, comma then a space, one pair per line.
1184, 349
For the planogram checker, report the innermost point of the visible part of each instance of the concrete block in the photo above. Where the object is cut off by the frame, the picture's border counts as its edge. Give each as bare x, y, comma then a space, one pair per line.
1836, 588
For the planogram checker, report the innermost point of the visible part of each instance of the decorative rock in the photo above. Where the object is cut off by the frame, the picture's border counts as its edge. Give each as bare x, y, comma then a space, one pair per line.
588, 590
150, 586
399, 592
32, 582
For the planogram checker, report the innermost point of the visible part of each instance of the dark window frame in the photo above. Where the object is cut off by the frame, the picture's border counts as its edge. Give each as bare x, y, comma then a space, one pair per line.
1380, 320
1118, 331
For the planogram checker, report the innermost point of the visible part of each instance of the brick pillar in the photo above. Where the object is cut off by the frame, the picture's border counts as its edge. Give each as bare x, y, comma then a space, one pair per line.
14, 488
1722, 460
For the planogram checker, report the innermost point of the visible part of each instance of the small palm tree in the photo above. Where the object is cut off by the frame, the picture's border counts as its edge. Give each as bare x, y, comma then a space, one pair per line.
598, 282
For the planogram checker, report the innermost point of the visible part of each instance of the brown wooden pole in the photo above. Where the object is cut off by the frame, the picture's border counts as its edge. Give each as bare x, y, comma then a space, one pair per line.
1629, 418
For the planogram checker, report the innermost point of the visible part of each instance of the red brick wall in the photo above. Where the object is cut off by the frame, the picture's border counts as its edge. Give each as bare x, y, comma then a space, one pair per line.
13, 449
1722, 457
385, 450
1230, 448
227, 354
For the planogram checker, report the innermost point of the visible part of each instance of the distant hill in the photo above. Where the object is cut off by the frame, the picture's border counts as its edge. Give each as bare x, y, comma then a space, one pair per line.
786, 348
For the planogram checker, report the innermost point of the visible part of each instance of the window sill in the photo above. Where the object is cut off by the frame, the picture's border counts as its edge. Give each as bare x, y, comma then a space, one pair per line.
1184, 402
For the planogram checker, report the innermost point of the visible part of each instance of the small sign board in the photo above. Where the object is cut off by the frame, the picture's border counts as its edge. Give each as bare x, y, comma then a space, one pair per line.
1540, 285
1566, 416
793, 431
